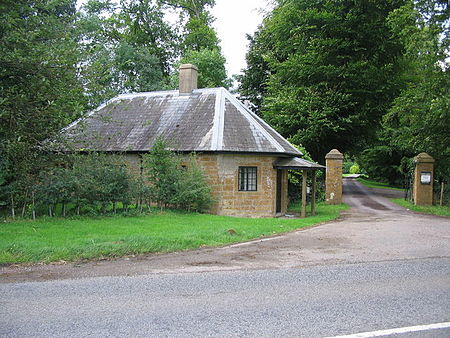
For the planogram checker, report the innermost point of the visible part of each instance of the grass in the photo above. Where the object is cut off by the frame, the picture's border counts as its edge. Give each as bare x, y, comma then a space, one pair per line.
55, 239
432, 209
374, 184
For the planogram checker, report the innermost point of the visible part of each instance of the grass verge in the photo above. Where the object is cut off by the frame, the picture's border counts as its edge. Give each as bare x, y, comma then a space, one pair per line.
432, 209
55, 239
374, 184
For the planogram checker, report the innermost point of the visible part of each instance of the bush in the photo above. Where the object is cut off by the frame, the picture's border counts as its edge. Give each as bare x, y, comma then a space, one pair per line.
93, 182
354, 169
101, 183
193, 191
175, 185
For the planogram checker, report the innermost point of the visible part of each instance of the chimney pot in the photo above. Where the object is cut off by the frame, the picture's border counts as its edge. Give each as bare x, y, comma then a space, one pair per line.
188, 78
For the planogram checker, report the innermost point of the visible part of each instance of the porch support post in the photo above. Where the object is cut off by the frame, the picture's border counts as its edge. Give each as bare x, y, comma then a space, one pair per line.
313, 194
303, 211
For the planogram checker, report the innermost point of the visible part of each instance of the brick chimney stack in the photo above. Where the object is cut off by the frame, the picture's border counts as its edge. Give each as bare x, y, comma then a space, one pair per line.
188, 78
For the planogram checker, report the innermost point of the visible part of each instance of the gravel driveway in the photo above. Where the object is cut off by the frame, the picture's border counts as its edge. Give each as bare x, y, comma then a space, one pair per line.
374, 229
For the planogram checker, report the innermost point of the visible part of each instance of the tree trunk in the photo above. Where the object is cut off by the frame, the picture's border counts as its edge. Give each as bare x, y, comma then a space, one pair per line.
23, 209
33, 204
442, 194
13, 211
64, 209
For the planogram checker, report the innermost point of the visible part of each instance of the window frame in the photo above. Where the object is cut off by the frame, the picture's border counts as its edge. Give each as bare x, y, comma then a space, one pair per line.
247, 184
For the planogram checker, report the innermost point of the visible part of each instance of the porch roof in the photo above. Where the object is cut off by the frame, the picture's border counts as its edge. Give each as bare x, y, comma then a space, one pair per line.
293, 163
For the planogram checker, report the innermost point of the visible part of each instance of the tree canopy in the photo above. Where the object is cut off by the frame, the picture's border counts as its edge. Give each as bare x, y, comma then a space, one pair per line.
324, 72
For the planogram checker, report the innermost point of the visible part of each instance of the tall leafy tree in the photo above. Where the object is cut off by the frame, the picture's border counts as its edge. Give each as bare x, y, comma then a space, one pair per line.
39, 90
325, 71
198, 32
420, 117
126, 48
199, 43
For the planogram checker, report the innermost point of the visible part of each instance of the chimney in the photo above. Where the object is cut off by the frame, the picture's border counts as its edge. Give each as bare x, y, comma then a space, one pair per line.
188, 78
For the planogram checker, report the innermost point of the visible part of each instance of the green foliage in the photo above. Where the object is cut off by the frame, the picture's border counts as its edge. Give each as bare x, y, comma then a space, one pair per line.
175, 185
39, 90
198, 33
193, 191
419, 120
385, 163
326, 71
199, 44
123, 49
253, 83
93, 182
211, 68
377, 184
162, 173
354, 169
295, 179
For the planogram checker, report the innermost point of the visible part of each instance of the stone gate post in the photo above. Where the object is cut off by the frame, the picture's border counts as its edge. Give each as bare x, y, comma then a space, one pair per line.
423, 179
333, 179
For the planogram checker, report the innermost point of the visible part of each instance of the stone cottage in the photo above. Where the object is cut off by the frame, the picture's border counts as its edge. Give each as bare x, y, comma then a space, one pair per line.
244, 159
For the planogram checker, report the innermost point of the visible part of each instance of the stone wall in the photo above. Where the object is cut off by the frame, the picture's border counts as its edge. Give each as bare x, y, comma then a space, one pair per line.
222, 172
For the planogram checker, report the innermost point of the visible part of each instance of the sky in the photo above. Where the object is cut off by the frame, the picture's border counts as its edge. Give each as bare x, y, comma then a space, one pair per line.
235, 19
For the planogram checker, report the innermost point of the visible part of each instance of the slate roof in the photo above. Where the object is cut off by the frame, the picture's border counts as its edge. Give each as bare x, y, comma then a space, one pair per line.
204, 121
296, 163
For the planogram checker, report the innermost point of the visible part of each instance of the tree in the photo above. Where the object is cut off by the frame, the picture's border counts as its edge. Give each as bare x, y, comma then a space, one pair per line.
162, 173
327, 71
129, 48
198, 33
419, 120
200, 44
39, 89
211, 65
253, 83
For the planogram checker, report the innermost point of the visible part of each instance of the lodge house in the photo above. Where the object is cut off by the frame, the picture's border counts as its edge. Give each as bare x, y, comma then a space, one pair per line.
244, 159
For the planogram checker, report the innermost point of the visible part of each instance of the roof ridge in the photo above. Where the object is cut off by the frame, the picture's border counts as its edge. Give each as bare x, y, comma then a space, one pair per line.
219, 121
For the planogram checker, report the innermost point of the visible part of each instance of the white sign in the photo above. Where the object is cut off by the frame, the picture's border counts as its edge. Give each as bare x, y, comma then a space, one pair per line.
425, 177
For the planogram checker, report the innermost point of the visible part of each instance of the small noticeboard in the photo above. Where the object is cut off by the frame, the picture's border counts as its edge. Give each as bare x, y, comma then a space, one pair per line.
425, 177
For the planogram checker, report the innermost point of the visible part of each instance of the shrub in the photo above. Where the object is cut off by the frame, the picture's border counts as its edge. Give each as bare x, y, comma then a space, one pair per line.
175, 185
354, 169
193, 191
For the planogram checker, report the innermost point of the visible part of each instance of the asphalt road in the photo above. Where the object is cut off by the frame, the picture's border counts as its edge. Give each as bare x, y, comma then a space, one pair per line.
310, 302
380, 267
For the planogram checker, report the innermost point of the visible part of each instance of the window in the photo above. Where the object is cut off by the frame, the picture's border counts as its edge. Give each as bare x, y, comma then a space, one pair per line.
247, 178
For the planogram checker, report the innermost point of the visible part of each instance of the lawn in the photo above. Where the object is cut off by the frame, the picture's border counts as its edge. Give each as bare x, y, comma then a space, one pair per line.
432, 209
374, 184
54, 239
